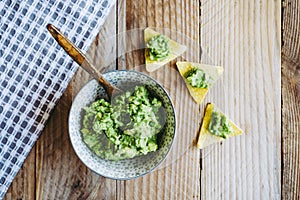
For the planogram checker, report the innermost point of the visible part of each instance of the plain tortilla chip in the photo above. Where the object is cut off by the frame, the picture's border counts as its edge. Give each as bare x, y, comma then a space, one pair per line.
176, 50
205, 137
214, 72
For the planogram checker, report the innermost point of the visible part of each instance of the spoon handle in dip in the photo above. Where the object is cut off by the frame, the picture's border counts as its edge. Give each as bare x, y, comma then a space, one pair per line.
76, 54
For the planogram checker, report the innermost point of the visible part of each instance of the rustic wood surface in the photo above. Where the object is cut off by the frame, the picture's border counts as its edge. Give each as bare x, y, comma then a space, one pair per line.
242, 36
290, 84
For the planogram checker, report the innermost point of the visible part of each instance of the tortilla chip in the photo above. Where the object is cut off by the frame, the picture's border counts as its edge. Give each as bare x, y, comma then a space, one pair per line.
176, 50
214, 72
205, 137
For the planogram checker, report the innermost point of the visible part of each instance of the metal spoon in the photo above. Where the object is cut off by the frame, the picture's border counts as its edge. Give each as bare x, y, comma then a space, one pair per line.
76, 54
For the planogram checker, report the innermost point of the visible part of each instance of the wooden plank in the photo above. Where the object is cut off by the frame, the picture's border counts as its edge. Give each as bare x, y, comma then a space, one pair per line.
59, 172
290, 100
121, 37
178, 177
244, 37
121, 56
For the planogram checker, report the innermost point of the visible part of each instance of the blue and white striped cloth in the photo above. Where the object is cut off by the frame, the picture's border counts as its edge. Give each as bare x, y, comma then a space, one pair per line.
34, 70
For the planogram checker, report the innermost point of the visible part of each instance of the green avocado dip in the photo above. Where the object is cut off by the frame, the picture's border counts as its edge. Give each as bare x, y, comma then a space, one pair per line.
126, 128
158, 47
198, 78
219, 125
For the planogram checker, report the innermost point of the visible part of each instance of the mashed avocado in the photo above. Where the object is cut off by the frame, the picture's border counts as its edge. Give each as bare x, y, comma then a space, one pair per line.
198, 78
158, 47
124, 129
219, 125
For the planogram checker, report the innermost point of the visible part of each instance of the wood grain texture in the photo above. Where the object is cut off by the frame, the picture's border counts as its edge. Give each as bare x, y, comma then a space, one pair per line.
244, 38
291, 100
179, 176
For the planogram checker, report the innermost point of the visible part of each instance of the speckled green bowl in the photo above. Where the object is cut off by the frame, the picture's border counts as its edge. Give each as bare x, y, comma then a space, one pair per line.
128, 168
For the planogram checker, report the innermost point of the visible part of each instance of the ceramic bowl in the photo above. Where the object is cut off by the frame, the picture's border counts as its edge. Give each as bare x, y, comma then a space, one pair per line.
127, 168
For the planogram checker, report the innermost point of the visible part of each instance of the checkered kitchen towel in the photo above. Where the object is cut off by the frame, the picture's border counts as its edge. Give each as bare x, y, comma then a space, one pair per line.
34, 70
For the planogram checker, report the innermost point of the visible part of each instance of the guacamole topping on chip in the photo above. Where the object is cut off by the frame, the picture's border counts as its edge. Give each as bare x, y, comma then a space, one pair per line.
219, 125
196, 77
159, 47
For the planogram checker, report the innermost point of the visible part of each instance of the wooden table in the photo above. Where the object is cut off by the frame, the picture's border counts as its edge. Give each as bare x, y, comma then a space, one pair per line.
246, 38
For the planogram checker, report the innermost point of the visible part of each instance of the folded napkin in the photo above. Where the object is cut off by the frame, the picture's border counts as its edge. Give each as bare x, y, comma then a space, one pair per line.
34, 70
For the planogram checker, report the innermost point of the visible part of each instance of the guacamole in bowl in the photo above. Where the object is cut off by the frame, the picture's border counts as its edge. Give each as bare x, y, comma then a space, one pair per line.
127, 137
126, 127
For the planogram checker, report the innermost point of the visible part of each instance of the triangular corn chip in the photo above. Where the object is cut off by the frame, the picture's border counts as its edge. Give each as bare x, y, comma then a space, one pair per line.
176, 50
214, 72
205, 137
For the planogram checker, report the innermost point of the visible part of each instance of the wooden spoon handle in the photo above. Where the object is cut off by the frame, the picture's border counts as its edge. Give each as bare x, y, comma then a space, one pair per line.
76, 54
67, 45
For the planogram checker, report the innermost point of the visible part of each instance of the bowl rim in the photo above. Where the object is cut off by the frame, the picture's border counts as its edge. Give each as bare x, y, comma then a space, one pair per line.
170, 145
